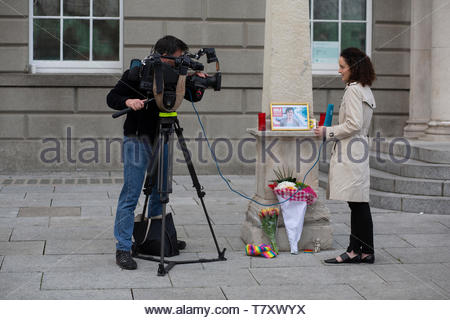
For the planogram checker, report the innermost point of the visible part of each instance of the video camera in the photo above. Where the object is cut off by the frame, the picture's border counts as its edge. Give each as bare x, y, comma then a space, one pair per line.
167, 83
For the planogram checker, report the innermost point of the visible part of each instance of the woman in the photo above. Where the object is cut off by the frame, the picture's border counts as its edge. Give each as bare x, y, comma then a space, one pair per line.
349, 177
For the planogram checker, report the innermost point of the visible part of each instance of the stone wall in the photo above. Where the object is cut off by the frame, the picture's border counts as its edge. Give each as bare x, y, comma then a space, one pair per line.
37, 107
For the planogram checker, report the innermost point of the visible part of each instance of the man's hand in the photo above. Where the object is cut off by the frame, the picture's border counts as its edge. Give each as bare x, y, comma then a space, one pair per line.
135, 104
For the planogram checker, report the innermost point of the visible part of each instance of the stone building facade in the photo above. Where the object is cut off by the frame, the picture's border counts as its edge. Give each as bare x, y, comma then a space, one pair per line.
60, 121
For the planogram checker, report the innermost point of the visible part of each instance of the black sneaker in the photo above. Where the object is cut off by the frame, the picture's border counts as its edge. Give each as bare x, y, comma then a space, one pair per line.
124, 260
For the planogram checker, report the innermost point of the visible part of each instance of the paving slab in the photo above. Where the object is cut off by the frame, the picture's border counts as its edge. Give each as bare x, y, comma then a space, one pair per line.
205, 245
341, 229
22, 248
179, 294
82, 203
60, 263
412, 273
96, 211
183, 201
82, 221
428, 240
80, 247
444, 220
28, 188
12, 196
15, 284
407, 227
380, 241
203, 231
285, 259
54, 211
9, 212
87, 188
340, 218
293, 292
236, 244
445, 285
68, 196
324, 275
8, 203
24, 222
421, 255
400, 291
184, 218
97, 279
226, 197
338, 208
210, 278
232, 217
110, 294
5, 233
235, 260
61, 233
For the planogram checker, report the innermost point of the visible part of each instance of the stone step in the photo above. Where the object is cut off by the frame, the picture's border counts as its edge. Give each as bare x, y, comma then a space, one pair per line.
409, 168
388, 182
426, 151
403, 202
410, 203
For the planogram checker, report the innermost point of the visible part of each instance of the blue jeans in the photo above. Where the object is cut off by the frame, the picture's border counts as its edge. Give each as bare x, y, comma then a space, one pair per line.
136, 157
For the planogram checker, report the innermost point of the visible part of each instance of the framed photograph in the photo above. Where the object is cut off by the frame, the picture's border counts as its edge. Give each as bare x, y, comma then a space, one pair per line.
289, 116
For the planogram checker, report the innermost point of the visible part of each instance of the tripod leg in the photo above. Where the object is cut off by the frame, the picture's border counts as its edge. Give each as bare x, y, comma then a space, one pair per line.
150, 179
164, 185
196, 183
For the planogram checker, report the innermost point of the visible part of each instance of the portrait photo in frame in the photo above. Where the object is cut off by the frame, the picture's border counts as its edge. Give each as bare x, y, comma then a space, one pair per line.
289, 116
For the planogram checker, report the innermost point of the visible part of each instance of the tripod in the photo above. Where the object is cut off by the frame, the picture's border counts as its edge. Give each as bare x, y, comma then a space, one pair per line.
160, 171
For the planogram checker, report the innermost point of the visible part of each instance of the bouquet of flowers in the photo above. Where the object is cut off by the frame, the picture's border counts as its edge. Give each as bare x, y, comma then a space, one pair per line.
269, 221
298, 195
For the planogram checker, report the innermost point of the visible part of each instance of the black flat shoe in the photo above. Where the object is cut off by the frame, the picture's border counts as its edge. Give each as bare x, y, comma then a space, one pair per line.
345, 259
181, 244
368, 259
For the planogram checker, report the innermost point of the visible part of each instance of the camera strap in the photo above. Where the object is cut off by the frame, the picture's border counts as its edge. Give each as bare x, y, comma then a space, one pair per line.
158, 91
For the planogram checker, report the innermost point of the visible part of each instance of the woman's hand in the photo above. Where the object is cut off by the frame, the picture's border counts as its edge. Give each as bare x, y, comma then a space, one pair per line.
135, 104
319, 131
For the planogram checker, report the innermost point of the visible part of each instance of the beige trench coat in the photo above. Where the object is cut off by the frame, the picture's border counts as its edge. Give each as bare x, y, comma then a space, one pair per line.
349, 174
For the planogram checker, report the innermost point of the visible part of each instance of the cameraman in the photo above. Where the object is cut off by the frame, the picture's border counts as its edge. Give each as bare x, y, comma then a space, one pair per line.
140, 130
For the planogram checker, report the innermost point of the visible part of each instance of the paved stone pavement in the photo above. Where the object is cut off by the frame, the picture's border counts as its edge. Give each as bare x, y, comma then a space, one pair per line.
56, 242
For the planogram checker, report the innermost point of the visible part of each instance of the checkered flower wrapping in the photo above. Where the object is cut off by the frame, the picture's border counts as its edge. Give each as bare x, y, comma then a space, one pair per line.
302, 195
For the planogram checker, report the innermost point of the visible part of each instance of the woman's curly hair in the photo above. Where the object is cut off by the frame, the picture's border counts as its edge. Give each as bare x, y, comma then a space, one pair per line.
361, 68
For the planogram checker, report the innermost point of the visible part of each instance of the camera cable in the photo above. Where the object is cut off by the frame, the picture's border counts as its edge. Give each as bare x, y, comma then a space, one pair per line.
227, 181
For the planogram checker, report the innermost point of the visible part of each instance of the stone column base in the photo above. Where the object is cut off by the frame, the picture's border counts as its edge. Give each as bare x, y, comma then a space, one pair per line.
437, 131
316, 226
415, 128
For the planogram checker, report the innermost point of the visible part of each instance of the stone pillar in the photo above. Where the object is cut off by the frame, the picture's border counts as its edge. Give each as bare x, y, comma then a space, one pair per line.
439, 125
420, 91
287, 54
287, 78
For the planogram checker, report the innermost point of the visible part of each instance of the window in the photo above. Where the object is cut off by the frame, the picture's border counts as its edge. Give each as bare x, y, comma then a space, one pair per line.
336, 25
76, 36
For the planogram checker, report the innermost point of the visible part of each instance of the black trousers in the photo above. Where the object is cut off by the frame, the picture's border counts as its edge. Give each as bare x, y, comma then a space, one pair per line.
361, 237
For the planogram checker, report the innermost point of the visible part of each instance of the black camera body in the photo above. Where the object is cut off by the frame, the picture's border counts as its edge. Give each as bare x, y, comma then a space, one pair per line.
155, 76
